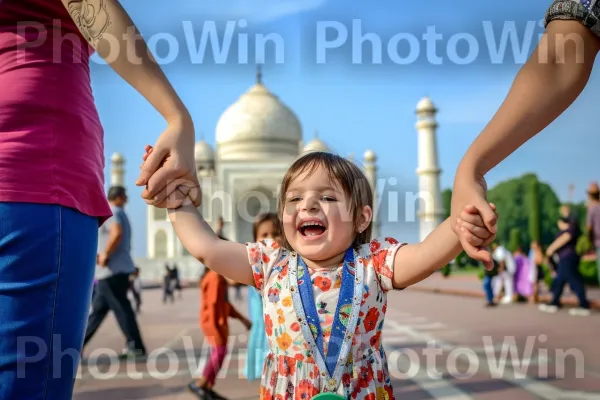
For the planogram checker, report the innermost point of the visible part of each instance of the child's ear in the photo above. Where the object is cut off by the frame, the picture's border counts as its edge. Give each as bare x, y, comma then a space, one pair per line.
364, 219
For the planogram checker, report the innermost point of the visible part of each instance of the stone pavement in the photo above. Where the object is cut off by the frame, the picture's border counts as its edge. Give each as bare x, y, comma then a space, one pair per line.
438, 347
471, 285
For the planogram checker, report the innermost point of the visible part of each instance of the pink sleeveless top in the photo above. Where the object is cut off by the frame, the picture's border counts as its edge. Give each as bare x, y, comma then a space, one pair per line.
51, 139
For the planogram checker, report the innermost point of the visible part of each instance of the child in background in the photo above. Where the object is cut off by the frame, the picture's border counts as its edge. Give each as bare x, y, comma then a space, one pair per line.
266, 226
214, 314
324, 290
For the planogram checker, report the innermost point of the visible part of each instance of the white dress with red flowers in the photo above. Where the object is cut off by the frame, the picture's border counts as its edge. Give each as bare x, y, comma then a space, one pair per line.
290, 370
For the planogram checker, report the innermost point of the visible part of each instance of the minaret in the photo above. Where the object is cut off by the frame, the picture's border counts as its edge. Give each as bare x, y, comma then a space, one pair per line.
370, 160
431, 213
117, 170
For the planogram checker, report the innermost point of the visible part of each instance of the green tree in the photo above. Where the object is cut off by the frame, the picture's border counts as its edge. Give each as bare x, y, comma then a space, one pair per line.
515, 240
512, 198
534, 211
447, 201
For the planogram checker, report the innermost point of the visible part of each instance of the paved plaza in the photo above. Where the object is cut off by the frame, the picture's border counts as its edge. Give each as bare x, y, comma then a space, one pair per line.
439, 347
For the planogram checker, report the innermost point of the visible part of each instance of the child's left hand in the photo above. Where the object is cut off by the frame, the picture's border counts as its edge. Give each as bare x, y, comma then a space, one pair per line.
473, 229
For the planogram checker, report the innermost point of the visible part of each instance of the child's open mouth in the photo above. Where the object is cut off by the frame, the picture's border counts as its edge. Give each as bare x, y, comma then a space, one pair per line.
312, 228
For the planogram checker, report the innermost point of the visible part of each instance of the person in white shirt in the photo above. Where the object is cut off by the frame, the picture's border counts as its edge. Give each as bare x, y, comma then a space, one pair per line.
506, 272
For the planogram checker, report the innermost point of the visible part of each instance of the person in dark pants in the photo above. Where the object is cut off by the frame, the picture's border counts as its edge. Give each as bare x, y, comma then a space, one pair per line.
168, 285
487, 284
115, 267
135, 285
177, 280
563, 248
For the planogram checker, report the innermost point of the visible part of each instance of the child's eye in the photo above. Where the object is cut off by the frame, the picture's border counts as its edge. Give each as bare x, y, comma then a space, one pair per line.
294, 199
328, 198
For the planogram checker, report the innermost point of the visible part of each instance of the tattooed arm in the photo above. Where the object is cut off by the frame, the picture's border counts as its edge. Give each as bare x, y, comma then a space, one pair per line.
110, 31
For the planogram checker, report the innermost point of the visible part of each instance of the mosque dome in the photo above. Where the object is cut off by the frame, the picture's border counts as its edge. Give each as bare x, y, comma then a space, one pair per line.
117, 158
203, 152
258, 124
425, 105
315, 145
370, 156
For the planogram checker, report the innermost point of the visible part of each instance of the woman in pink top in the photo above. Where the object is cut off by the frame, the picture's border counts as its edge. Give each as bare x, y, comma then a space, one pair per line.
51, 177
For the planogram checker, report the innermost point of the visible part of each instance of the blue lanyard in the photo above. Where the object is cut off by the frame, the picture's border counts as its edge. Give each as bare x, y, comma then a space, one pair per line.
342, 313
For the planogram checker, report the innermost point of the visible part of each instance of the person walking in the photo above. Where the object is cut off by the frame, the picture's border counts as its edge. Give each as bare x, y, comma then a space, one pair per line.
593, 221
488, 278
52, 196
135, 285
564, 248
177, 281
215, 311
115, 267
168, 285
506, 272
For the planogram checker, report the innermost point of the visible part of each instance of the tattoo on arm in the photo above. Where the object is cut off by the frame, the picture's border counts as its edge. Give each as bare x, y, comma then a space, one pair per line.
91, 17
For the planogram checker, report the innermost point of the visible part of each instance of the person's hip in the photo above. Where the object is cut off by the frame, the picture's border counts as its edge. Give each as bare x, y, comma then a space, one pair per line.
47, 257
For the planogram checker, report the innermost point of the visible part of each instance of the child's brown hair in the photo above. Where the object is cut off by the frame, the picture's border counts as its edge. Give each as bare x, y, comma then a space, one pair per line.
265, 217
346, 174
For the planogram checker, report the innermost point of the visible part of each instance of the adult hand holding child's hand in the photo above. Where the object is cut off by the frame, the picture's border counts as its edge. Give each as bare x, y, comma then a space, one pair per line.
469, 193
169, 170
472, 229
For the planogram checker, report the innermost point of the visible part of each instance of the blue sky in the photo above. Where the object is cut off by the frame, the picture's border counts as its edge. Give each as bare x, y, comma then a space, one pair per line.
355, 99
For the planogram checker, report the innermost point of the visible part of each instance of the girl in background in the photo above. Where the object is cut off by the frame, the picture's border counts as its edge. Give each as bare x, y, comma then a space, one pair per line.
266, 226
536, 259
214, 313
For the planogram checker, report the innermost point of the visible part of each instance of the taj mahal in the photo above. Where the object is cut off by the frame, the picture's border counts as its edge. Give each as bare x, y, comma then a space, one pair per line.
257, 138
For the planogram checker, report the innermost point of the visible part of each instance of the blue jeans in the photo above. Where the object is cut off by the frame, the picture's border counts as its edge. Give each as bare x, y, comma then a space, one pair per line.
47, 262
568, 272
487, 287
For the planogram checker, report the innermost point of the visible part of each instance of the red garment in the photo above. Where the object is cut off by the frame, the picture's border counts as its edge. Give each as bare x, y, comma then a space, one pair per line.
215, 309
51, 139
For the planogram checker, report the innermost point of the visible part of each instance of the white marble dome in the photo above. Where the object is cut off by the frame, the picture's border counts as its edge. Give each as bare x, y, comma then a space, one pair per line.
258, 124
315, 145
203, 152
117, 158
425, 105
370, 156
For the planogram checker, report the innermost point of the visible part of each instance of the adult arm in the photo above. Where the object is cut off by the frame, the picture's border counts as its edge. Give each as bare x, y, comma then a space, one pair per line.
544, 88
115, 234
110, 31
548, 83
558, 243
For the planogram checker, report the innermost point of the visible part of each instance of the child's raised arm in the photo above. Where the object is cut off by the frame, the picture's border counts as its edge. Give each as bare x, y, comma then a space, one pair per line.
415, 262
226, 258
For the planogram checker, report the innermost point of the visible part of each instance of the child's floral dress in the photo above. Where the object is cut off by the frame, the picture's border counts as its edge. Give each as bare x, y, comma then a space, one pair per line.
291, 368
